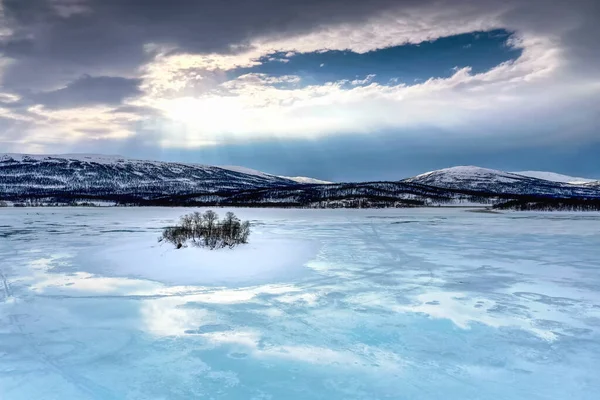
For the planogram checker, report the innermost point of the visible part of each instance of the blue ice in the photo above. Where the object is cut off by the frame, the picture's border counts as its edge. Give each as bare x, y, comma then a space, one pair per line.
322, 304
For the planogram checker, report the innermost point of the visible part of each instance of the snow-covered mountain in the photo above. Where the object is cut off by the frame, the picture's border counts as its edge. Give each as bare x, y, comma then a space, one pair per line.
66, 178
594, 184
247, 171
306, 180
554, 177
297, 179
484, 180
101, 175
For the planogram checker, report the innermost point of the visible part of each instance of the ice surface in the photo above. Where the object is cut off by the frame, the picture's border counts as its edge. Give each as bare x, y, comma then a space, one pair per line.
323, 304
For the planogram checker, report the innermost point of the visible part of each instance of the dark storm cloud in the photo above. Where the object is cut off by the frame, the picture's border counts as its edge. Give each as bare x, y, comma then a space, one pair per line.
108, 36
88, 91
574, 22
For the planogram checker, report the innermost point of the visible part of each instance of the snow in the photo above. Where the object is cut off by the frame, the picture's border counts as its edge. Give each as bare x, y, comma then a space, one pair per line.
462, 171
322, 304
247, 171
458, 170
467, 172
472, 172
304, 179
263, 259
494, 181
554, 177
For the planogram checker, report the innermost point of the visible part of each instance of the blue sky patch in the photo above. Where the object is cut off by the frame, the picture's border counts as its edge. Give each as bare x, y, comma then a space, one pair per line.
409, 64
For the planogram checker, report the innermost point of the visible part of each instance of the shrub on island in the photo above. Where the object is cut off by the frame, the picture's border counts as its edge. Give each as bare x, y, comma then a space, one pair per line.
206, 230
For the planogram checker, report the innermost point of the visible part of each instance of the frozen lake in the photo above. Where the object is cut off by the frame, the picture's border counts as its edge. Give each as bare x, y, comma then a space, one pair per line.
322, 304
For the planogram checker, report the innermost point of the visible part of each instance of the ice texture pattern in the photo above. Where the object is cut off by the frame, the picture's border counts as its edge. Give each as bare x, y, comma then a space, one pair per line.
436, 303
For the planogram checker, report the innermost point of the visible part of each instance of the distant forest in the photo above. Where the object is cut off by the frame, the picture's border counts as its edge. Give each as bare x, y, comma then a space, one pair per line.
550, 204
316, 199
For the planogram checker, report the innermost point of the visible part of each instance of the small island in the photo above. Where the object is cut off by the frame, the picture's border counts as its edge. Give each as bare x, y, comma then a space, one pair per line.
206, 230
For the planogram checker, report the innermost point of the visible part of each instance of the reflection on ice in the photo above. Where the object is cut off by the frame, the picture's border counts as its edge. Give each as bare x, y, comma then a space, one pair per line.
86, 282
463, 311
162, 317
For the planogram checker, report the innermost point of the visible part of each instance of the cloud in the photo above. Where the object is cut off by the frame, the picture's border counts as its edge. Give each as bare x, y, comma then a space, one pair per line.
253, 106
110, 37
165, 68
88, 90
366, 80
70, 8
536, 80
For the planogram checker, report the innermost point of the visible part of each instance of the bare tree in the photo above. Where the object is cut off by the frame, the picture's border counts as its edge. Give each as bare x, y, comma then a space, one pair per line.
210, 219
244, 231
206, 230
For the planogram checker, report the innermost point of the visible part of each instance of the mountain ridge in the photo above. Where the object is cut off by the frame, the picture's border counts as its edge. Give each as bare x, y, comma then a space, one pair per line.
108, 159
87, 174
68, 178
488, 180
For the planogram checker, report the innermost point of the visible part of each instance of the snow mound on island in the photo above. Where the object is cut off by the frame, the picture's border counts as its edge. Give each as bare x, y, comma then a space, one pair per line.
263, 260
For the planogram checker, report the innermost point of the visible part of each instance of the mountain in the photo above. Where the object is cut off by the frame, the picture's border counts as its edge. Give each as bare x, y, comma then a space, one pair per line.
68, 179
99, 175
306, 180
297, 179
248, 171
554, 177
483, 180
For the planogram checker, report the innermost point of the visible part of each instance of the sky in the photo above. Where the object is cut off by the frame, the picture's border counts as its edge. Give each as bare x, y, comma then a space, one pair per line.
341, 90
